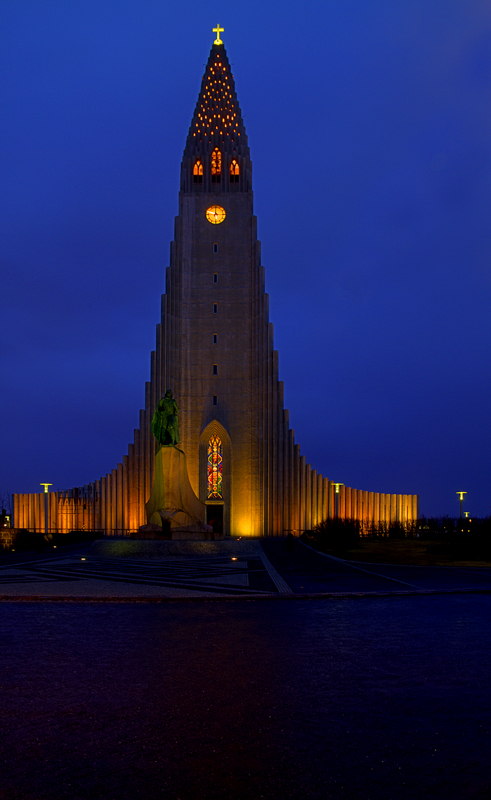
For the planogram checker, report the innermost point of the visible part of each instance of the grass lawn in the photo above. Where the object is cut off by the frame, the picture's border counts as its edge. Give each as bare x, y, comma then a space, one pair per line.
404, 551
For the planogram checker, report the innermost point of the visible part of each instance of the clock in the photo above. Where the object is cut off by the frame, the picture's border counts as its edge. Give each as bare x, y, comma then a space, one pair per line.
215, 214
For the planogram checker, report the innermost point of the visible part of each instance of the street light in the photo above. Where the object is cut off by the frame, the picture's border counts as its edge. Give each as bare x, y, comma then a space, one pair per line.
46, 490
461, 495
336, 495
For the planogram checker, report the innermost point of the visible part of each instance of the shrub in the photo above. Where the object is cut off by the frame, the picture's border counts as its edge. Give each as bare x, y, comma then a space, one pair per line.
336, 534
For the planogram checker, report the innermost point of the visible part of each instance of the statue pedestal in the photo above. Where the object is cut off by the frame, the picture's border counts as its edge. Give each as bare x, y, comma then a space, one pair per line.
173, 510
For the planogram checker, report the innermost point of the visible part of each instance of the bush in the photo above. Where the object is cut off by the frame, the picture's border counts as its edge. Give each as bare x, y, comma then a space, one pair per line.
334, 534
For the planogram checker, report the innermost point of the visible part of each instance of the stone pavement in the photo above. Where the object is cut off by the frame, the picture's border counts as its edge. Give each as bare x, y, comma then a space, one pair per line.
236, 568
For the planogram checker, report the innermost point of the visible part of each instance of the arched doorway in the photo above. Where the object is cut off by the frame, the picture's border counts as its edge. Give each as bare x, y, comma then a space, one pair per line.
215, 469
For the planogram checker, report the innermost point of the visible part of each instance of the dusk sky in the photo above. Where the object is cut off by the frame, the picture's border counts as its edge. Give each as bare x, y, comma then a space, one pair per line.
369, 125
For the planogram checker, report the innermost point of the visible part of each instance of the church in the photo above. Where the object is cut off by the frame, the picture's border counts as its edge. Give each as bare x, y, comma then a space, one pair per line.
215, 352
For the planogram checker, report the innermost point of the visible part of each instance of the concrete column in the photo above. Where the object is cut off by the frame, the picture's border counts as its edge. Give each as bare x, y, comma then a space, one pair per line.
354, 504
291, 483
359, 503
16, 499
313, 502
376, 510
119, 498
98, 523
131, 487
382, 514
371, 510
19, 521
141, 466
53, 512
342, 502
331, 506
114, 499
320, 498
280, 448
404, 510
125, 494
90, 507
302, 494
347, 503
38, 513
103, 505
393, 508
325, 498
137, 480
149, 442
109, 525
298, 503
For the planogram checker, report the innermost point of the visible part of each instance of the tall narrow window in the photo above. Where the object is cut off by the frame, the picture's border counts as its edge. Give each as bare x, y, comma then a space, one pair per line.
215, 248
215, 277
198, 172
215, 369
215, 338
216, 166
215, 400
215, 308
234, 171
215, 468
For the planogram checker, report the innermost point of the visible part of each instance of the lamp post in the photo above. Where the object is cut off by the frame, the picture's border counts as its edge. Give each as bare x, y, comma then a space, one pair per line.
336, 495
46, 490
461, 495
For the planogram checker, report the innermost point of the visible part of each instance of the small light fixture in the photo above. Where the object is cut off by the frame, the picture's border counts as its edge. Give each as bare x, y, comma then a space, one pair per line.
233, 558
82, 559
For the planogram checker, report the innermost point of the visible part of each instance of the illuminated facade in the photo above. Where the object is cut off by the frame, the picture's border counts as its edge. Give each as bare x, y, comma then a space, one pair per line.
215, 352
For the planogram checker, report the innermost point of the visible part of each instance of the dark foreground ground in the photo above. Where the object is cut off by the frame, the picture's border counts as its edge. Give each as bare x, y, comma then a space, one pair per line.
364, 698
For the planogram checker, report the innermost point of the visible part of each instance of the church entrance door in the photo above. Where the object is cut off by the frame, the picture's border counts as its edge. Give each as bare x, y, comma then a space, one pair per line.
214, 517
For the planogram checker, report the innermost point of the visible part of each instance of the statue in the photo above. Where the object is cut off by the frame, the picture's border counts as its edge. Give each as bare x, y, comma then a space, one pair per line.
165, 424
173, 510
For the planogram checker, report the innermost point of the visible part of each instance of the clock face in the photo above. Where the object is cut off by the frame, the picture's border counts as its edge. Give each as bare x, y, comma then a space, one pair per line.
215, 214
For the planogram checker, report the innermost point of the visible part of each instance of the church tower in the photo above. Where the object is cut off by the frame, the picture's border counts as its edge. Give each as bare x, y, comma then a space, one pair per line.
214, 350
218, 358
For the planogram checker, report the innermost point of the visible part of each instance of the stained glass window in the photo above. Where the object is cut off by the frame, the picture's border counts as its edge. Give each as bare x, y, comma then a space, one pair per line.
216, 165
198, 172
234, 171
215, 468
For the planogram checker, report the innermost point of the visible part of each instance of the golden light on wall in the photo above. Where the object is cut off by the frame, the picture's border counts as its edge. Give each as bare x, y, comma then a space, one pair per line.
215, 214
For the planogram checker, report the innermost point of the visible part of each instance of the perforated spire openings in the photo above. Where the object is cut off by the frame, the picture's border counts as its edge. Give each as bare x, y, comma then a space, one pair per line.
217, 120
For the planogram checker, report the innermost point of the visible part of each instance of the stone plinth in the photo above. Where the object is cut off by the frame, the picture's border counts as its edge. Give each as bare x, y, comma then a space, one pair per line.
173, 507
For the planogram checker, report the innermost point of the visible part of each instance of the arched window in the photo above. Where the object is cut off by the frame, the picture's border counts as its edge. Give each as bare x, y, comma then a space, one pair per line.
216, 166
234, 171
198, 172
215, 468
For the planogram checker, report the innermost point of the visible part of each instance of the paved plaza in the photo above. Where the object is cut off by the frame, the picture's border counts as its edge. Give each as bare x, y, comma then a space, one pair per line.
230, 569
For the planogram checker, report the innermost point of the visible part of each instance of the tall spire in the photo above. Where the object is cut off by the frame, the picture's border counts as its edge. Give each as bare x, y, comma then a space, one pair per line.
217, 120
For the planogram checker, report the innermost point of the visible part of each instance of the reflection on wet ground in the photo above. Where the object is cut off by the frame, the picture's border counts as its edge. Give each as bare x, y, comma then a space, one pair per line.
363, 698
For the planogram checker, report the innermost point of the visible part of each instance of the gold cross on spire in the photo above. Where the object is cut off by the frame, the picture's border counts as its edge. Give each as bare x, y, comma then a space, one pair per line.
217, 31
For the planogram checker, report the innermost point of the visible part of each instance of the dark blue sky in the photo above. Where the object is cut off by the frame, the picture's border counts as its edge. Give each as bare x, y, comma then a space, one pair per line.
370, 133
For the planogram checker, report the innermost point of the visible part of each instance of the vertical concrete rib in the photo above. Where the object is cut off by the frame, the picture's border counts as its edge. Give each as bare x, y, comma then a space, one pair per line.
347, 502
119, 499
313, 498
